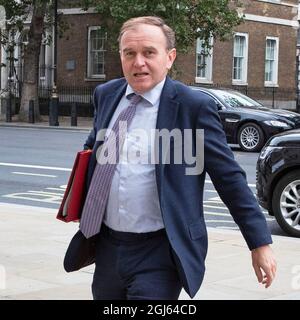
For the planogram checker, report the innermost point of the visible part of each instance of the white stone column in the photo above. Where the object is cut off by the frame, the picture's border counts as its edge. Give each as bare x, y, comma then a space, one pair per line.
51, 50
4, 70
4, 75
49, 64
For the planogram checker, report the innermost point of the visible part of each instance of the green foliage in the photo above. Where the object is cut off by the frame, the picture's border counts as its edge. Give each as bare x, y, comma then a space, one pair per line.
190, 19
14, 8
18, 11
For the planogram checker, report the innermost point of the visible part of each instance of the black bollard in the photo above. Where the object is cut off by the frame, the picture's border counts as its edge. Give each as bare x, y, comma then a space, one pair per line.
8, 109
31, 111
74, 114
53, 112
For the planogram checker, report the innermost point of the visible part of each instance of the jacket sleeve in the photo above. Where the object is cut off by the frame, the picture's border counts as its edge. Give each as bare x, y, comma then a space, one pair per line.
229, 179
90, 141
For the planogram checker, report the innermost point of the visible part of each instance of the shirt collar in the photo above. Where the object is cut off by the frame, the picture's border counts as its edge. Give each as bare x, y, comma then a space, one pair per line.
152, 95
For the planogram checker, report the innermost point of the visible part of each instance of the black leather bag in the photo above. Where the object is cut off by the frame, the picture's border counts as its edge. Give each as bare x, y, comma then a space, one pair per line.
81, 252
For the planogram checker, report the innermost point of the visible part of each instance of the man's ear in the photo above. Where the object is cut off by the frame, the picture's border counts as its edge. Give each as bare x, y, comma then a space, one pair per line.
171, 58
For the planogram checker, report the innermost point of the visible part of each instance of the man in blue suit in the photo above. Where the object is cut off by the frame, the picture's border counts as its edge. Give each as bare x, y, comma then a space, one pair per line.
152, 240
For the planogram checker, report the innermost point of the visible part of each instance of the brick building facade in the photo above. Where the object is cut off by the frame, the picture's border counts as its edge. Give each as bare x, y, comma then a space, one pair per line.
260, 58
267, 23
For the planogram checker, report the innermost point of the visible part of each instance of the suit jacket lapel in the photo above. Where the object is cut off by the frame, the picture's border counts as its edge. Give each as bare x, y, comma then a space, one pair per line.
167, 114
110, 104
168, 106
108, 107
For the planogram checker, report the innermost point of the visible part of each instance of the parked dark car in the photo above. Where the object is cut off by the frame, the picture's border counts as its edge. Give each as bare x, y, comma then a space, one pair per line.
247, 122
278, 180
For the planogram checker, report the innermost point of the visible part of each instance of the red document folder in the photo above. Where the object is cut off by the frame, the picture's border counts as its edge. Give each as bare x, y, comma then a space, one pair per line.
73, 200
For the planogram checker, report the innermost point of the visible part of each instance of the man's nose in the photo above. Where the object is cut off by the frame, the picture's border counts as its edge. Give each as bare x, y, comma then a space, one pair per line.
139, 60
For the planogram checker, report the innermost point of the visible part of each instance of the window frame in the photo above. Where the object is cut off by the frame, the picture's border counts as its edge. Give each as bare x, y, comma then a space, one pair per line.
42, 62
274, 81
244, 78
90, 74
209, 64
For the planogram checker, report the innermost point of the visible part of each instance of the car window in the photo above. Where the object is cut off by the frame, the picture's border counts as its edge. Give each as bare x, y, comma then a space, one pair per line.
212, 96
235, 99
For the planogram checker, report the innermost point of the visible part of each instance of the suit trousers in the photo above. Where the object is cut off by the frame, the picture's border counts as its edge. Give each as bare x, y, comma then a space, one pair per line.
134, 266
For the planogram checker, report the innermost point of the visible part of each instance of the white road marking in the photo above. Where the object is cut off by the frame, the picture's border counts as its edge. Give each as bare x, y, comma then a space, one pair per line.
40, 196
229, 215
220, 221
57, 189
218, 200
227, 227
43, 192
215, 207
34, 174
19, 165
30, 196
215, 199
218, 214
249, 184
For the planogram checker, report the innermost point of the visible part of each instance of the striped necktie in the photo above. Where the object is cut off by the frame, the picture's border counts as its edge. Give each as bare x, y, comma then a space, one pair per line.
97, 196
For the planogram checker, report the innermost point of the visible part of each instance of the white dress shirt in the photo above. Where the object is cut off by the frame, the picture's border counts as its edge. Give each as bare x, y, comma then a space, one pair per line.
133, 204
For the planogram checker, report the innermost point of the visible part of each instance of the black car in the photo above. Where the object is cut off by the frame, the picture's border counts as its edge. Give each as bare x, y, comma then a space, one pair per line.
247, 122
278, 180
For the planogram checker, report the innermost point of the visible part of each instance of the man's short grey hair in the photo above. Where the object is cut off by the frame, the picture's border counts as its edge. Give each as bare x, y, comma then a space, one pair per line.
153, 21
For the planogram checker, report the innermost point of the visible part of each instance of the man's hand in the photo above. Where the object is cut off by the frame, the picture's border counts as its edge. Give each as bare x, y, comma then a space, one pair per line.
263, 260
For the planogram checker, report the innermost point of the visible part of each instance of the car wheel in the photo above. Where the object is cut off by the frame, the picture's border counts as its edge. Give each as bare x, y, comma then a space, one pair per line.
286, 203
251, 137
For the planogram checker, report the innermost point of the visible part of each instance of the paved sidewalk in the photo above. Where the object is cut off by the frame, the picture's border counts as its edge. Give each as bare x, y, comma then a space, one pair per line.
83, 123
33, 243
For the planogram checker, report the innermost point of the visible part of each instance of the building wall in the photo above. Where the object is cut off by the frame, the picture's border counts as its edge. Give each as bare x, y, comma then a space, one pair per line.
283, 10
257, 32
223, 52
73, 46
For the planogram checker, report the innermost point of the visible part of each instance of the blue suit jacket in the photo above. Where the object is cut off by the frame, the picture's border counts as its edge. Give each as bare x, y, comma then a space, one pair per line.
181, 195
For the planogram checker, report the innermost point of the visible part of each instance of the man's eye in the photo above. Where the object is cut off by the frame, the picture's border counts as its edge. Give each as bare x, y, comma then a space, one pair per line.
149, 53
129, 54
